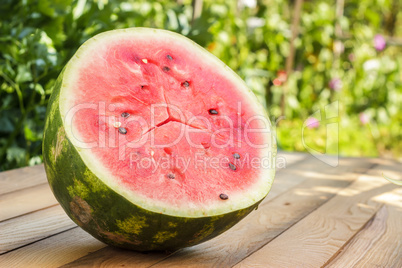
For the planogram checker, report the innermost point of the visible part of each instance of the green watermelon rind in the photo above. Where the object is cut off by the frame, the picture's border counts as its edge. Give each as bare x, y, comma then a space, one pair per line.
103, 211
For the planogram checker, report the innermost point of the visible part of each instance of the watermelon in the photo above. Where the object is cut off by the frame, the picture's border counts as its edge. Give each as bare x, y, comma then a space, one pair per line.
152, 143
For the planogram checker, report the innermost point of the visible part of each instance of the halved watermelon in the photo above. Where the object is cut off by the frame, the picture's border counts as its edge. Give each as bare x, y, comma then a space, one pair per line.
152, 143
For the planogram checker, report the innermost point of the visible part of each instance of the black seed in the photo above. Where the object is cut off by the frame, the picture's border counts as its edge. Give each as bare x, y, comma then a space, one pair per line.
122, 130
171, 176
166, 69
223, 196
232, 167
236, 156
185, 84
169, 57
125, 115
213, 111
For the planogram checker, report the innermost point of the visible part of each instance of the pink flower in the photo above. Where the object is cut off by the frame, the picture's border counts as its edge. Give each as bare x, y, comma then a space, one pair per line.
379, 42
364, 119
281, 78
335, 84
312, 122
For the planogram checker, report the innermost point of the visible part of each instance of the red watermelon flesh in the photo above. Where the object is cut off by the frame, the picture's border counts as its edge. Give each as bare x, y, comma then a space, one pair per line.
166, 127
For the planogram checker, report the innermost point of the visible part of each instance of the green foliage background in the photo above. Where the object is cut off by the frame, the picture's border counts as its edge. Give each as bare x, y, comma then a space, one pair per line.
38, 37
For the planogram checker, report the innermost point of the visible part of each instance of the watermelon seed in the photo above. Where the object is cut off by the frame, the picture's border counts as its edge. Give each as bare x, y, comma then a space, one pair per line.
185, 84
232, 167
169, 57
223, 196
206, 145
171, 176
166, 69
168, 150
212, 111
117, 124
122, 130
144, 87
144, 60
125, 115
236, 156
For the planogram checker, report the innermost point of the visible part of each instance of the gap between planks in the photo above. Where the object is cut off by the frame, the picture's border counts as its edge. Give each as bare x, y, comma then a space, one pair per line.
25, 201
27, 229
52, 251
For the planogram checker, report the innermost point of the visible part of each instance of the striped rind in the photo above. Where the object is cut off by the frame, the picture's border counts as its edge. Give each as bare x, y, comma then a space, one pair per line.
106, 213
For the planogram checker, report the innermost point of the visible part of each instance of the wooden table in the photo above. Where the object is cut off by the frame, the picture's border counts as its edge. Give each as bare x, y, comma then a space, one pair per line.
315, 215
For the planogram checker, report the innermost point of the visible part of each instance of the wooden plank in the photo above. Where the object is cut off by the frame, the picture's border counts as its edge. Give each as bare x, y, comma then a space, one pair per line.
287, 159
379, 244
113, 257
53, 251
290, 199
32, 227
17, 179
24, 201
315, 239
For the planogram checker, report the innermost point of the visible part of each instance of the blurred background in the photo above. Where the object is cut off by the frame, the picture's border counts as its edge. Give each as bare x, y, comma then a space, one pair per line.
297, 56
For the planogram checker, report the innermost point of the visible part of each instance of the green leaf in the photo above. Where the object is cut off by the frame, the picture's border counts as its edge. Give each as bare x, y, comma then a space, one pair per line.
45, 7
16, 154
79, 8
38, 88
6, 125
55, 30
25, 32
23, 74
35, 160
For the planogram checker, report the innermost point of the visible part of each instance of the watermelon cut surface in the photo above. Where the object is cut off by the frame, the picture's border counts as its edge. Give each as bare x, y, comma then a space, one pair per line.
152, 143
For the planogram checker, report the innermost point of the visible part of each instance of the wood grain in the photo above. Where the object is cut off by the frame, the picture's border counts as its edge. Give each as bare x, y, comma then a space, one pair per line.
379, 244
53, 251
315, 239
285, 159
283, 207
32, 227
17, 179
24, 201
